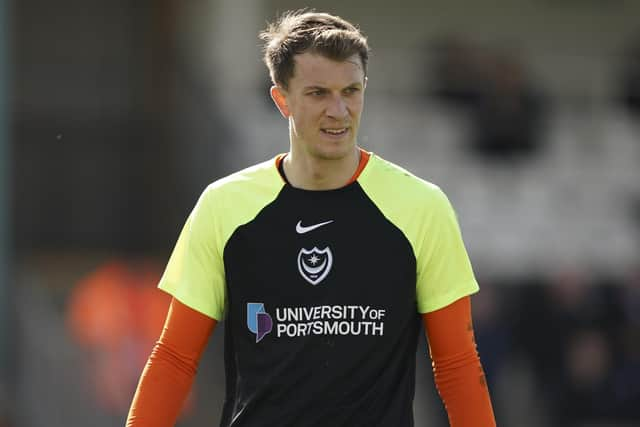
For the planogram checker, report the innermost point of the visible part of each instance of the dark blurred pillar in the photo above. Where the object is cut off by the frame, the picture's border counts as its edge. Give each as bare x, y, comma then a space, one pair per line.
5, 290
161, 97
151, 170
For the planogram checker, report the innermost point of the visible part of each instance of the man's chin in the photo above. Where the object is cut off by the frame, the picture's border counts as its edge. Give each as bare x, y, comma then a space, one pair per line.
335, 151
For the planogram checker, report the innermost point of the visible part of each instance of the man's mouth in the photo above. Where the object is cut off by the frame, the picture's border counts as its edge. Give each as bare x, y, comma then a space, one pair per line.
335, 131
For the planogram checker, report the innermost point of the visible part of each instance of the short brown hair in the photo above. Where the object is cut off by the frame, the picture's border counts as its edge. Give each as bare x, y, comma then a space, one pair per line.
303, 31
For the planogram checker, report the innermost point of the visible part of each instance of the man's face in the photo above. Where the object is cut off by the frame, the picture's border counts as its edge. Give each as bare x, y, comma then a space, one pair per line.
324, 102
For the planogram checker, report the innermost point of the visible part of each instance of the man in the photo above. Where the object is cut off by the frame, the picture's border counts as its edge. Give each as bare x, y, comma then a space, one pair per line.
322, 262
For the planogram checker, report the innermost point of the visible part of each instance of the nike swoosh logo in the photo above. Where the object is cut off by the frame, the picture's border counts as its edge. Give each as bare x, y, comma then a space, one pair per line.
300, 229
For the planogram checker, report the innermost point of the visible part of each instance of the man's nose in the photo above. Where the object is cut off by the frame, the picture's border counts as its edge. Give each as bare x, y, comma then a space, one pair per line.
337, 107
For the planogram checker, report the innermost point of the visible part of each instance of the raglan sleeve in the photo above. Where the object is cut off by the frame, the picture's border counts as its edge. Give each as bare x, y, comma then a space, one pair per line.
444, 272
194, 274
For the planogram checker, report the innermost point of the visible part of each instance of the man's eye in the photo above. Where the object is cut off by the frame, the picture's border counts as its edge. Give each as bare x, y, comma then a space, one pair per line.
316, 93
351, 90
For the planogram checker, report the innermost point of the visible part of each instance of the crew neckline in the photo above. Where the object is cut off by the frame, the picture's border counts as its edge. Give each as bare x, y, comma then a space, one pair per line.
362, 164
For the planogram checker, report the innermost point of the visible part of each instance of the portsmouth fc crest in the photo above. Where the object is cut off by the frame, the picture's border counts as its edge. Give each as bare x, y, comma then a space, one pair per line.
314, 264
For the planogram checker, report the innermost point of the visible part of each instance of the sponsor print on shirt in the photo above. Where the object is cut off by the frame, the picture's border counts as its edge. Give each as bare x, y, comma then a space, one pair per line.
258, 320
292, 322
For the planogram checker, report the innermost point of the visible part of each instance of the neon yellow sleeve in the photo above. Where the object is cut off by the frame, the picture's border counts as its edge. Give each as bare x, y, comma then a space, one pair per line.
444, 272
423, 213
195, 271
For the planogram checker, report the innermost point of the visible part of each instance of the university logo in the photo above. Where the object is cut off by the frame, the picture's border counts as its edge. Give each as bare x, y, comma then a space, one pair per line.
314, 264
258, 320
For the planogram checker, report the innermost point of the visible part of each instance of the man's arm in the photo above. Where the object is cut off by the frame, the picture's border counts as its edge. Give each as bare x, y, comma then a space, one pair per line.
457, 370
171, 368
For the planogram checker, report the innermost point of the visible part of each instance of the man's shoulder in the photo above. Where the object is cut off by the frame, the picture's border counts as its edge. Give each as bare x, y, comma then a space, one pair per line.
388, 175
238, 196
262, 175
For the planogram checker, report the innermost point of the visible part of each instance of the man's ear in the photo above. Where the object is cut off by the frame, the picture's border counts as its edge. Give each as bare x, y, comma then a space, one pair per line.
366, 79
280, 101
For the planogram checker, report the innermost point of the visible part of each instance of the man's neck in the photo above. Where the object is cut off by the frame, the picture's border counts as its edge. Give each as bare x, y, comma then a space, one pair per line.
310, 173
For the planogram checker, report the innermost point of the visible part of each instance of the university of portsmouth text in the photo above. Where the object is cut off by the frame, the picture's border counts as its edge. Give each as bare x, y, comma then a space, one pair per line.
329, 320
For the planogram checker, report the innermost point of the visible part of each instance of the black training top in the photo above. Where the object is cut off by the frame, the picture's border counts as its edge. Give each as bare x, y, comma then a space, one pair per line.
320, 291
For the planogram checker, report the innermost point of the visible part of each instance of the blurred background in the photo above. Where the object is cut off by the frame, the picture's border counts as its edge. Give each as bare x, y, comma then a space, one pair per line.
114, 116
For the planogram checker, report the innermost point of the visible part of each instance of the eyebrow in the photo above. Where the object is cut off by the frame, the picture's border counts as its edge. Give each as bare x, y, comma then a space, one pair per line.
316, 87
